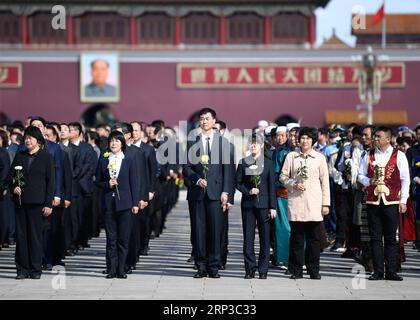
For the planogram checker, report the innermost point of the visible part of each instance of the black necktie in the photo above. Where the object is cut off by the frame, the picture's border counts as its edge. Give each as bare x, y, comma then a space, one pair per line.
208, 146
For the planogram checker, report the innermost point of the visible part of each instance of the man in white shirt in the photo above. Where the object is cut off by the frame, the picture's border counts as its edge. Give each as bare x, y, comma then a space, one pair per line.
385, 173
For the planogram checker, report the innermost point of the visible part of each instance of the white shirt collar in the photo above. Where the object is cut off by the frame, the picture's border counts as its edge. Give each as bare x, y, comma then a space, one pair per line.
388, 150
118, 156
66, 144
138, 143
77, 143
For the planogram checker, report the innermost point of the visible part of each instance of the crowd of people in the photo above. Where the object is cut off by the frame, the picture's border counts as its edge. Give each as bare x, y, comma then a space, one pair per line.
353, 190
62, 183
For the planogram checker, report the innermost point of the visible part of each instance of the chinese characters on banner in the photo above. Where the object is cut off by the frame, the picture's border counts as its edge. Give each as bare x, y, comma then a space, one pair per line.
10, 75
282, 75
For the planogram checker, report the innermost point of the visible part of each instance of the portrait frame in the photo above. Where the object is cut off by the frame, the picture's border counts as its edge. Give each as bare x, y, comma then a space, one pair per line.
89, 92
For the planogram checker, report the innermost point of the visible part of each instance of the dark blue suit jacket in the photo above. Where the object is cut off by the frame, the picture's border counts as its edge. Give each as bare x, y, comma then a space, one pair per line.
267, 196
128, 185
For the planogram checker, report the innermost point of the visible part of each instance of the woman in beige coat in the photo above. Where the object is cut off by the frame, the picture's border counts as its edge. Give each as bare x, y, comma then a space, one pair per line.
305, 175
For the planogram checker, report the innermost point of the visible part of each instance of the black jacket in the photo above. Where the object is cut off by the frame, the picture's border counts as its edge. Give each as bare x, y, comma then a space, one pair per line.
39, 179
267, 196
4, 169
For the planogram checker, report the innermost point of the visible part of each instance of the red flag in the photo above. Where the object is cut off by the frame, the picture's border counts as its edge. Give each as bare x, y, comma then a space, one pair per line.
379, 15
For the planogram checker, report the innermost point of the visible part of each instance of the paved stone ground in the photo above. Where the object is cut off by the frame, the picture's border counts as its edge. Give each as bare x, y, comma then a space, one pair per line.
165, 274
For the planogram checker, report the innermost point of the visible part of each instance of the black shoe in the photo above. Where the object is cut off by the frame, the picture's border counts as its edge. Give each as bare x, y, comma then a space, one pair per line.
130, 271
315, 276
348, 254
59, 263
144, 252
105, 272
110, 276
376, 276
250, 275
214, 275
296, 276
222, 267
122, 276
35, 276
200, 274
21, 277
87, 245
393, 277
263, 276
190, 259
70, 253
47, 267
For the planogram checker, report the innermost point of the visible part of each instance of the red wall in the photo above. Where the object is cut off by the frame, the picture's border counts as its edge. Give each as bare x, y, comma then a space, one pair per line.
149, 92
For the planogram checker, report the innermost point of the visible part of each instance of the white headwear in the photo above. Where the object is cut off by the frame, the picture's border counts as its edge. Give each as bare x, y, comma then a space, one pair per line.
262, 123
268, 130
281, 129
292, 125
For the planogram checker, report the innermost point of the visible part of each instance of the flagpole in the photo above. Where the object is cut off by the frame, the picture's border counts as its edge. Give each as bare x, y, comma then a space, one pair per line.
384, 29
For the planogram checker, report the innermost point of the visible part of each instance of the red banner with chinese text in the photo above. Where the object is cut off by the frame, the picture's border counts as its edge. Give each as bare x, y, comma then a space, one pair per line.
282, 75
10, 75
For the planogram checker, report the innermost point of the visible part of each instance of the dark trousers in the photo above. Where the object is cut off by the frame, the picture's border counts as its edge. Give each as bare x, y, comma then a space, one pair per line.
72, 222
29, 223
53, 237
118, 231
144, 228
383, 222
207, 217
96, 213
134, 242
343, 212
85, 220
224, 241
309, 232
251, 217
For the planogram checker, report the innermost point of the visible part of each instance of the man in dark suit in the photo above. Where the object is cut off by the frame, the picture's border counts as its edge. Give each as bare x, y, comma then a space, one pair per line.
151, 169
88, 160
55, 247
209, 171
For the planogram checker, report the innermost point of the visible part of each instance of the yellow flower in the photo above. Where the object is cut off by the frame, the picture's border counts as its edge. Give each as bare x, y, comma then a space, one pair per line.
106, 154
111, 165
418, 164
205, 159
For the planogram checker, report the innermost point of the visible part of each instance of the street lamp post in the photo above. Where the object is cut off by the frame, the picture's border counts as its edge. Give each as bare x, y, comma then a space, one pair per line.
370, 83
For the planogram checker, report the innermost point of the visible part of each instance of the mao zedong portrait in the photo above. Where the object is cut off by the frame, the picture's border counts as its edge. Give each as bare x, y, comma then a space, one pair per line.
99, 86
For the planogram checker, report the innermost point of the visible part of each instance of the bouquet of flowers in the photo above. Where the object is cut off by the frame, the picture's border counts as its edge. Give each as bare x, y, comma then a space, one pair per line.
112, 167
19, 180
205, 163
255, 178
302, 172
347, 169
